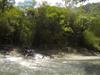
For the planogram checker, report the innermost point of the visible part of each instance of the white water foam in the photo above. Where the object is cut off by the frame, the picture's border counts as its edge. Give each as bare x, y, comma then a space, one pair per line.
38, 59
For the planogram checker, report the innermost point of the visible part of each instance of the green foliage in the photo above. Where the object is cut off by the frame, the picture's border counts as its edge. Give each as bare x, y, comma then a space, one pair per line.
49, 27
91, 40
94, 33
93, 9
6, 4
95, 27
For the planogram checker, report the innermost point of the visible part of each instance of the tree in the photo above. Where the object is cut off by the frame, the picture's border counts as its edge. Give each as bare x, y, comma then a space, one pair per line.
5, 4
8, 24
93, 9
71, 3
48, 28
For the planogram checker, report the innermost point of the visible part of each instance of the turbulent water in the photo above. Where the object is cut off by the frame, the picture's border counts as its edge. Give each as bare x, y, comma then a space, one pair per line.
45, 66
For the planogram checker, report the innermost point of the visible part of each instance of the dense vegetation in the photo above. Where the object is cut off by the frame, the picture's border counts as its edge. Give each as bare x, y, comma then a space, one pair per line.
50, 26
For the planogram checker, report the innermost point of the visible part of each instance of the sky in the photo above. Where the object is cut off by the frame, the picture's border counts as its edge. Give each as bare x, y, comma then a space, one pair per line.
53, 2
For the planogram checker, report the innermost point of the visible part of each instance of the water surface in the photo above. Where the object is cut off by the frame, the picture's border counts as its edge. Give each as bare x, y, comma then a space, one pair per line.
45, 66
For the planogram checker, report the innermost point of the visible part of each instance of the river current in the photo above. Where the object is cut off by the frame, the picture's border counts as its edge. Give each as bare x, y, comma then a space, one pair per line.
10, 65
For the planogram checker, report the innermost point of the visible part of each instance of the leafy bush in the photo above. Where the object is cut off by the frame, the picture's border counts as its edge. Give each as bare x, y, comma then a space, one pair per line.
91, 40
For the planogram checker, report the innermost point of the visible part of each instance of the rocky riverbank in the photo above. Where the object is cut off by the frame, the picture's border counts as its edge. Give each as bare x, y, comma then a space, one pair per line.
66, 53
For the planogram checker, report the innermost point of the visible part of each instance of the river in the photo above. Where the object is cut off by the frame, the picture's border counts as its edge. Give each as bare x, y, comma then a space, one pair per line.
10, 65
